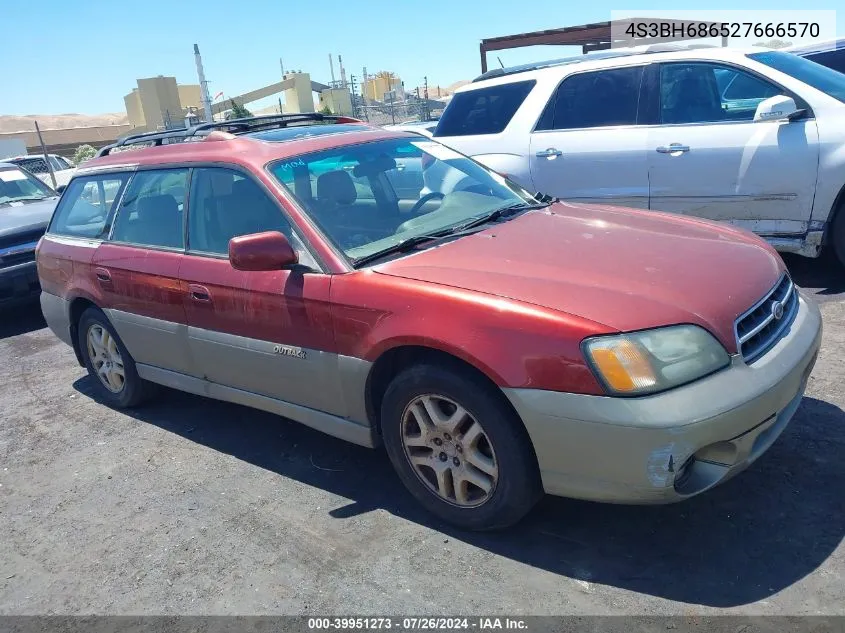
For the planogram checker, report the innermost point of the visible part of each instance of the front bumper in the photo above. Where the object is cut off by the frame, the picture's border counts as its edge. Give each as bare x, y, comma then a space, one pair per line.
670, 446
18, 284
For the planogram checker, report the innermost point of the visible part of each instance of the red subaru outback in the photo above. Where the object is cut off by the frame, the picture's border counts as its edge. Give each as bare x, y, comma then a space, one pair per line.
498, 346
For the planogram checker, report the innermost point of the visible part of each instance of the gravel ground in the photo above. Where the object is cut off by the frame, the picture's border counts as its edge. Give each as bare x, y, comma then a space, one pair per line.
194, 506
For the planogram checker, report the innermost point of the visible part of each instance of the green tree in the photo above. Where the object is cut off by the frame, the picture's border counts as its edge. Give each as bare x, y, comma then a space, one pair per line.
325, 110
83, 153
237, 111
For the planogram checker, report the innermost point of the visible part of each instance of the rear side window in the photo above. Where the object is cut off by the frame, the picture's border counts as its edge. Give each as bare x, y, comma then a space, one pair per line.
33, 165
87, 204
594, 99
152, 208
227, 204
483, 111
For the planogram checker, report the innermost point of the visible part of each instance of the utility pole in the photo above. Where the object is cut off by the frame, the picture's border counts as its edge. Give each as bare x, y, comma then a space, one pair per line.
426, 114
352, 94
44, 151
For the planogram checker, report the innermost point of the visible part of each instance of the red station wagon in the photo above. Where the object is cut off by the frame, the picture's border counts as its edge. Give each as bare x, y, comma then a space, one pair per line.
498, 346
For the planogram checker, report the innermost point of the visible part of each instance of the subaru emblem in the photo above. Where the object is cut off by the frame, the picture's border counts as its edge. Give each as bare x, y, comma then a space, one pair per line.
777, 310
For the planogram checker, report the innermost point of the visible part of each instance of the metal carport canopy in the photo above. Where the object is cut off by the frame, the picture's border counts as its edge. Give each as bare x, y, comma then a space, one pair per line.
591, 37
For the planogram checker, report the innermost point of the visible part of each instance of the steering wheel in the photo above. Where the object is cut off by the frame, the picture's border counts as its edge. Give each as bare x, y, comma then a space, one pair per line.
429, 196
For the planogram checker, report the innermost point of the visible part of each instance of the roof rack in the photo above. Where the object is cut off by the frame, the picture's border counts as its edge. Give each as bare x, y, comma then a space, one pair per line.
233, 126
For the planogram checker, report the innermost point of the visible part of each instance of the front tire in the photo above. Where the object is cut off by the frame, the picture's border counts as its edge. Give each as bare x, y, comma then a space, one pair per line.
459, 448
108, 362
837, 234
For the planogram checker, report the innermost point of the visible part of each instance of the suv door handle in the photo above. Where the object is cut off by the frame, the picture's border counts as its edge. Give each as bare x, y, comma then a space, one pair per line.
549, 153
673, 147
199, 293
103, 275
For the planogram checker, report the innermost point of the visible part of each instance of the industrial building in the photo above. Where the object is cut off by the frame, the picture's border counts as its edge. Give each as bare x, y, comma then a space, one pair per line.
160, 102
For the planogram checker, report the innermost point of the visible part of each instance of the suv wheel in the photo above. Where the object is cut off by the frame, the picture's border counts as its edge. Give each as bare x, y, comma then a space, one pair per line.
109, 362
837, 234
458, 448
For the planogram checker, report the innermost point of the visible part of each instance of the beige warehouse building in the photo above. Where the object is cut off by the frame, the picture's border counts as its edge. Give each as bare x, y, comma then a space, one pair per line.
159, 99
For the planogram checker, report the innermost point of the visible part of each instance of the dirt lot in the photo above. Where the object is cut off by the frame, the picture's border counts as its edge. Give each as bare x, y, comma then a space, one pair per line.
193, 506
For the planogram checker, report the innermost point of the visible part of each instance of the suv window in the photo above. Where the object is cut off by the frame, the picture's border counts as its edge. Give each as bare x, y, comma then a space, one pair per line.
151, 211
33, 165
701, 93
594, 99
820, 77
86, 205
483, 111
225, 204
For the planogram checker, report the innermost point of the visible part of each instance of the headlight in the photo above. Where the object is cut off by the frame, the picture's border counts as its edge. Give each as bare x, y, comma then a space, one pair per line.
654, 360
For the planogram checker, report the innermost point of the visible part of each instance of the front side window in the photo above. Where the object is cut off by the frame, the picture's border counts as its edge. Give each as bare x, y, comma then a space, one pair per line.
86, 205
594, 99
351, 192
483, 111
57, 164
820, 77
17, 186
704, 93
226, 203
152, 209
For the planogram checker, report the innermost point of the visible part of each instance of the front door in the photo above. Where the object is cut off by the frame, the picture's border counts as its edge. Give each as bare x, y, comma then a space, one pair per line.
587, 145
708, 158
267, 332
137, 269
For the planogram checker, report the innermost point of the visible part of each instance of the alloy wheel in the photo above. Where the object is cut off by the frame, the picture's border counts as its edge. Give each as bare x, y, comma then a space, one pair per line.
105, 358
449, 450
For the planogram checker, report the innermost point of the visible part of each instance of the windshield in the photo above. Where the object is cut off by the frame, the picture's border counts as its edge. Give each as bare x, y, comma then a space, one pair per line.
372, 196
819, 77
18, 186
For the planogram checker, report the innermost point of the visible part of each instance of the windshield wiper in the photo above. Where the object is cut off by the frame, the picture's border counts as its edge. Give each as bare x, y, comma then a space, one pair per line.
501, 212
23, 199
403, 246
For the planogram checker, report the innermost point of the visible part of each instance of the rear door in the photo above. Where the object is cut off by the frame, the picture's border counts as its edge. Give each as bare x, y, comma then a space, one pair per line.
137, 269
589, 144
708, 157
264, 332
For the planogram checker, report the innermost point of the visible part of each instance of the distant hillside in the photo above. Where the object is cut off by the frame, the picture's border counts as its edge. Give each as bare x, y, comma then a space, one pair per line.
9, 123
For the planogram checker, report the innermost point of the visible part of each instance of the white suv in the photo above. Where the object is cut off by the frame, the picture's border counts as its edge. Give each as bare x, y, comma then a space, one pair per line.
756, 138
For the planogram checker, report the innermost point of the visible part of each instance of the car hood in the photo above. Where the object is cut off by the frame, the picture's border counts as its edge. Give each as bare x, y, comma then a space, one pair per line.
29, 216
623, 268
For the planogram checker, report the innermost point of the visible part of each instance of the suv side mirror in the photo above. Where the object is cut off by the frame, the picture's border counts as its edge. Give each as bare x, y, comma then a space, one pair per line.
261, 251
61, 188
776, 109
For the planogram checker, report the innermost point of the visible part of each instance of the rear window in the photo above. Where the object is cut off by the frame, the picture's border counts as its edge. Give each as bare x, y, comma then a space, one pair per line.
483, 111
86, 205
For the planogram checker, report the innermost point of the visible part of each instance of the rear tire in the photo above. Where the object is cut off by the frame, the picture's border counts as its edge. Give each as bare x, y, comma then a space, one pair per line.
108, 362
459, 448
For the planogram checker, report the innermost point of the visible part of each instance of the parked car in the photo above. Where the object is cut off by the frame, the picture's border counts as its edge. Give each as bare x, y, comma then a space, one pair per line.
26, 205
63, 169
496, 346
753, 138
830, 53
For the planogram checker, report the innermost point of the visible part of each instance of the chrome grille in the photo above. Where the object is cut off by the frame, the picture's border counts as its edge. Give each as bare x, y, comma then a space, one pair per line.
19, 249
760, 327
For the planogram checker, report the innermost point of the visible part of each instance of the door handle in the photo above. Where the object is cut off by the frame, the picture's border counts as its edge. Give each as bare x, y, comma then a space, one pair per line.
103, 275
550, 153
672, 148
199, 293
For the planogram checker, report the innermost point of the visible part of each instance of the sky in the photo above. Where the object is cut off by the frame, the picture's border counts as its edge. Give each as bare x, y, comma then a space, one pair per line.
84, 56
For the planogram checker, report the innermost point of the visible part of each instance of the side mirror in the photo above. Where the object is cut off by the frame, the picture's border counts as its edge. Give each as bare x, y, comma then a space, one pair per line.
261, 251
61, 188
776, 109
